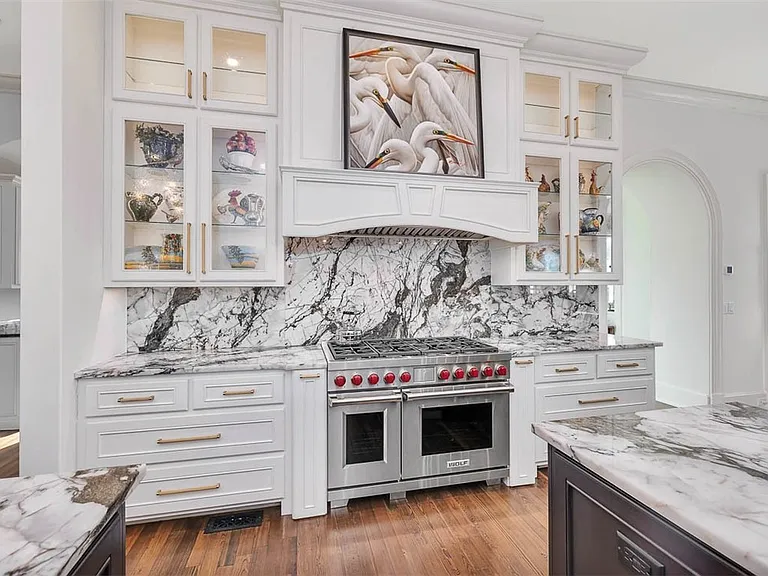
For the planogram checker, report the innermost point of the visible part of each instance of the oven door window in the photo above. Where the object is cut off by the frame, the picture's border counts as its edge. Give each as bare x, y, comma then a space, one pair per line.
364, 437
456, 428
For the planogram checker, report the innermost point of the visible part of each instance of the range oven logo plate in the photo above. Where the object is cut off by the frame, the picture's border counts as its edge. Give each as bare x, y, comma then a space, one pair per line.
458, 463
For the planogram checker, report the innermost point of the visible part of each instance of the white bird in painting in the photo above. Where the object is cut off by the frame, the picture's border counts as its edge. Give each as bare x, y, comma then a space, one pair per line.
425, 133
398, 151
363, 122
461, 79
373, 60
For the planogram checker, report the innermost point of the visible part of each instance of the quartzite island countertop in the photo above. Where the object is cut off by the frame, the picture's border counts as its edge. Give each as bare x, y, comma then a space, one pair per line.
704, 469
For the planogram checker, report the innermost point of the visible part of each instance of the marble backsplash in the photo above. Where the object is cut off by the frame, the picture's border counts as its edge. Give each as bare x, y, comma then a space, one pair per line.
398, 288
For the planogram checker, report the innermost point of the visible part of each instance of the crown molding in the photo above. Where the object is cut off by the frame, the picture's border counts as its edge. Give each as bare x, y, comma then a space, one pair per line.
268, 9
582, 52
451, 17
700, 96
10, 84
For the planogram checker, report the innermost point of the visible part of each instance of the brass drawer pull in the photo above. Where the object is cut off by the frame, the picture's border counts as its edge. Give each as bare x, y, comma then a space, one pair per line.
188, 439
562, 370
523, 362
309, 376
189, 248
173, 491
576, 121
568, 126
189, 83
205, 86
125, 400
202, 239
239, 392
628, 365
599, 400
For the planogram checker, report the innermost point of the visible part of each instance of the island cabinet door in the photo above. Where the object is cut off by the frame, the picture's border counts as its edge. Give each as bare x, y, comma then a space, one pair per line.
596, 530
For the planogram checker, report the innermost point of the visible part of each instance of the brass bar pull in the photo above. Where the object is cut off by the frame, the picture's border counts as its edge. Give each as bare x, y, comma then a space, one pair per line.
189, 83
202, 237
189, 248
188, 439
628, 365
568, 252
125, 400
205, 86
309, 376
576, 122
239, 392
600, 400
564, 370
568, 126
578, 252
173, 491
523, 362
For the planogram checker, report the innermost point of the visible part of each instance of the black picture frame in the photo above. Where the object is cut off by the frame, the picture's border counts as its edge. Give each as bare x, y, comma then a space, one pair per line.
473, 52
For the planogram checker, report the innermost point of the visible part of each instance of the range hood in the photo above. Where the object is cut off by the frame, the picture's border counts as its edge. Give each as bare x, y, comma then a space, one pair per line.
321, 202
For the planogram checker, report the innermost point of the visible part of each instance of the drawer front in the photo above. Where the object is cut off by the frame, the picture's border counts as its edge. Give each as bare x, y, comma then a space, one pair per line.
594, 398
169, 489
625, 363
184, 437
564, 368
135, 397
237, 390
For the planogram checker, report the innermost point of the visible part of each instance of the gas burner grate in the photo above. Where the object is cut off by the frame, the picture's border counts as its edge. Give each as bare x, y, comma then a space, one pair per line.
397, 348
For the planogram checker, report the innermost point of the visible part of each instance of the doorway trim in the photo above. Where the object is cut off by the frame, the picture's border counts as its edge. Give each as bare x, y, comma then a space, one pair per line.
715, 288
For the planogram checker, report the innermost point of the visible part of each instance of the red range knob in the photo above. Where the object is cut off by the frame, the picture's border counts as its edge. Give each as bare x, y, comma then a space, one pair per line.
373, 379
357, 379
389, 377
487, 371
405, 376
339, 380
473, 372
444, 374
501, 370
458, 373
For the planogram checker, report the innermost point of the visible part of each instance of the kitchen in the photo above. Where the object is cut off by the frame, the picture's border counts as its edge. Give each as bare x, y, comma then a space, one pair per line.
248, 369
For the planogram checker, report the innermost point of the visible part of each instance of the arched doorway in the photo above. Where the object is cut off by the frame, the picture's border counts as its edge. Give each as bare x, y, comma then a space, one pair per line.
672, 283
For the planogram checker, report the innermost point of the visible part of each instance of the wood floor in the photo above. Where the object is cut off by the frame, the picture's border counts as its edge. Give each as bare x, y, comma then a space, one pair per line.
9, 454
471, 529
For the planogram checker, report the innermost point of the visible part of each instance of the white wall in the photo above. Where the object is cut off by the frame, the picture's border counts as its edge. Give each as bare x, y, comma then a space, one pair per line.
666, 296
730, 149
717, 44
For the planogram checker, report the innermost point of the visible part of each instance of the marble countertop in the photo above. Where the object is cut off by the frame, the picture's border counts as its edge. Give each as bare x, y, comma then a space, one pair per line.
703, 468
566, 342
197, 361
10, 328
48, 522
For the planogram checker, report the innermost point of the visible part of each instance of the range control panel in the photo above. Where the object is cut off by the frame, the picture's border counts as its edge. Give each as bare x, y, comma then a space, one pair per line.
417, 375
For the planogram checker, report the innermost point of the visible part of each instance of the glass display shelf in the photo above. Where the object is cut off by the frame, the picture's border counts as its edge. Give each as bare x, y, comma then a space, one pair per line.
236, 173
542, 106
243, 226
155, 224
240, 71
595, 112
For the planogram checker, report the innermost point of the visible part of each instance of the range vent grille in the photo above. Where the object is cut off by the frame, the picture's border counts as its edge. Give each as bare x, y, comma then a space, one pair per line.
415, 232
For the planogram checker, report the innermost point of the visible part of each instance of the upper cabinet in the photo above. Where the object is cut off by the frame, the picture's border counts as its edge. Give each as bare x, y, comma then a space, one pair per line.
192, 58
10, 231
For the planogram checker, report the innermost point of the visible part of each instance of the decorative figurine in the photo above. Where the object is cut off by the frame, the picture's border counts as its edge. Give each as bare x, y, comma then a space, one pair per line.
543, 212
556, 185
594, 189
582, 184
250, 208
161, 148
528, 177
142, 206
544, 185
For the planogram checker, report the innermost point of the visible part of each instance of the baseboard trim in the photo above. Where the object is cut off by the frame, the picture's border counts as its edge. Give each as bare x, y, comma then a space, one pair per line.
754, 398
677, 396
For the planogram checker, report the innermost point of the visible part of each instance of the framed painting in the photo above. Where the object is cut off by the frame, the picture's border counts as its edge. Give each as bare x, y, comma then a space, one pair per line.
411, 106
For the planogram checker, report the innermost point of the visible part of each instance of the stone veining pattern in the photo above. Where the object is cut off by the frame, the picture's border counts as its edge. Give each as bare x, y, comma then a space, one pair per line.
535, 345
703, 468
398, 288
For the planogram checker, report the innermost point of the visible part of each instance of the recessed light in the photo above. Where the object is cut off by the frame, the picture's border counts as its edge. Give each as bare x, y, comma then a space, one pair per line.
233, 62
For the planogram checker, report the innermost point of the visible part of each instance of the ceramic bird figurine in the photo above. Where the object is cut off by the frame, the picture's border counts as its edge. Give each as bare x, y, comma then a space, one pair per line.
594, 189
528, 177
233, 207
582, 184
544, 185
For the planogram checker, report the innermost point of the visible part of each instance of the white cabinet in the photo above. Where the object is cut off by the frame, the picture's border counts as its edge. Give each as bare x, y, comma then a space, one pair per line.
522, 466
193, 58
10, 231
9, 383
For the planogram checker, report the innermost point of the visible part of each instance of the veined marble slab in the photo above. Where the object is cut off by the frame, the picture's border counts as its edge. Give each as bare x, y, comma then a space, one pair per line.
703, 468
194, 361
48, 522
10, 328
535, 345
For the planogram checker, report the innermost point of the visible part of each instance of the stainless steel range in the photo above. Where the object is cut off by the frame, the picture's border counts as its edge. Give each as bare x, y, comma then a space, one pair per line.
415, 413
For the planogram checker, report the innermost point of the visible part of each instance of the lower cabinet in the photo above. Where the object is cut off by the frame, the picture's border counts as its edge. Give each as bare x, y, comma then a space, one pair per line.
522, 467
106, 557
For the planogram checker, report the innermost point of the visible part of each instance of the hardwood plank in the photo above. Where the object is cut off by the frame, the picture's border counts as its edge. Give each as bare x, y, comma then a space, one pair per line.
9, 454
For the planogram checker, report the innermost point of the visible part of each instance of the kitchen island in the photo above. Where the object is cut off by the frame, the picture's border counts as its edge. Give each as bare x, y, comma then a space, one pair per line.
679, 491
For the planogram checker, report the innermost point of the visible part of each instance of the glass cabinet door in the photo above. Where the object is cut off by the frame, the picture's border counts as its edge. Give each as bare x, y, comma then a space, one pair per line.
239, 64
595, 119
154, 53
238, 227
545, 103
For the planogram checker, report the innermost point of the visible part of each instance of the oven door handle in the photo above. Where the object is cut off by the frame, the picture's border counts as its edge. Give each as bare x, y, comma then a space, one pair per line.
458, 393
347, 400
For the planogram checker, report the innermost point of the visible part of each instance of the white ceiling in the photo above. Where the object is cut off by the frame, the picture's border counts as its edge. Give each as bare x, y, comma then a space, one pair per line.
10, 37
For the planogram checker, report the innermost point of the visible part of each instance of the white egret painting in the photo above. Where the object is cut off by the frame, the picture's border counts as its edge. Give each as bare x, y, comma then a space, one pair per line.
412, 106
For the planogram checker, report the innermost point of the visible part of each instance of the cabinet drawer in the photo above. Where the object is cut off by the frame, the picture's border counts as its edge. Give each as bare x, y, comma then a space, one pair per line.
156, 439
593, 398
564, 368
250, 389
625, 363
170, 489
135, 397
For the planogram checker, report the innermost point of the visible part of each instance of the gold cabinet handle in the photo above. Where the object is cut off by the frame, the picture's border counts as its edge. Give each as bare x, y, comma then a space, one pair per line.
189, 248
576, 122
205, 86
599, 400
628, 365
127, 399
188, 439
523, 362
578, 251
568, 252
202, 241
239, 392
173, 491
309, 376
564, 370
568, 126
189, 83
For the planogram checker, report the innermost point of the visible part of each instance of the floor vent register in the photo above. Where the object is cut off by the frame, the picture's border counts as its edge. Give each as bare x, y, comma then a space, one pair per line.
226, 522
